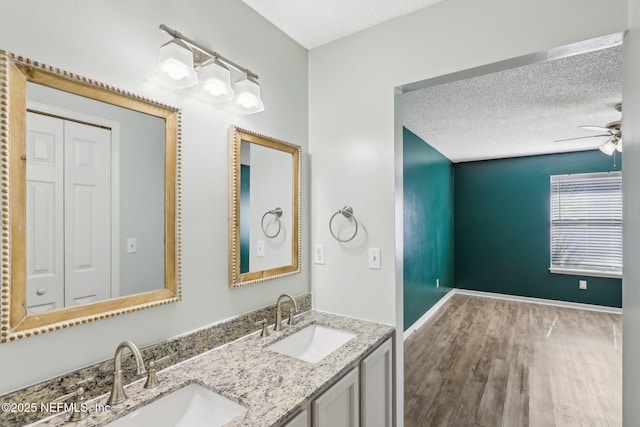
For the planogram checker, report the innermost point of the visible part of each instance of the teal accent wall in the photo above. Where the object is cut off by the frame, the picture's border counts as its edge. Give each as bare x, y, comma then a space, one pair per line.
428, 226
245, 217
501, 228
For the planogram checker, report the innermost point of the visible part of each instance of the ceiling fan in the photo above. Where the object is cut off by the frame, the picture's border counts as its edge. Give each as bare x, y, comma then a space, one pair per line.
611, 130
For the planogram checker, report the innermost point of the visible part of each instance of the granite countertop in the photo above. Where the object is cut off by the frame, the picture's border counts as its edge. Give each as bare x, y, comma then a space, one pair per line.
270, 385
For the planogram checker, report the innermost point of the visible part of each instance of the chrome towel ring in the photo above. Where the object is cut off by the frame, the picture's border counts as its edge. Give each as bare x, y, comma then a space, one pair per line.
277, 213
347, 212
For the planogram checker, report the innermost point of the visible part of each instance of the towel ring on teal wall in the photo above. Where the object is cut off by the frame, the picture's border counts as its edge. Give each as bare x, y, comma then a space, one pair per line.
347, 212
277, 213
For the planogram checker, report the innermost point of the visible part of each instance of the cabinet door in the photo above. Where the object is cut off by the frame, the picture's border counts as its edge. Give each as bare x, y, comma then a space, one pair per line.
377, 392
303, 419
339, 406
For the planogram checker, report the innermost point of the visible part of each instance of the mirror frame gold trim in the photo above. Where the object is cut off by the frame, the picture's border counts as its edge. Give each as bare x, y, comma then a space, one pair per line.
237, 279
15, 323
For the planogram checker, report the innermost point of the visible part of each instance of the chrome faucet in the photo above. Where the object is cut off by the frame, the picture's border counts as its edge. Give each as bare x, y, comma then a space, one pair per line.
278, 326
117, 390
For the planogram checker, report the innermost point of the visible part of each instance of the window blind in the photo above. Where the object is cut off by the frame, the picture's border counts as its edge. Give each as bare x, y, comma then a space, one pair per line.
586, 222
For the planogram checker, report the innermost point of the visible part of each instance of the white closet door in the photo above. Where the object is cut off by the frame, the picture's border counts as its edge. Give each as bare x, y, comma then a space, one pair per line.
45, 213
87, 213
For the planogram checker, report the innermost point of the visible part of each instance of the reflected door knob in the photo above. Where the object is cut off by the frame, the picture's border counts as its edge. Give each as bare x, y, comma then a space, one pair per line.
41, 291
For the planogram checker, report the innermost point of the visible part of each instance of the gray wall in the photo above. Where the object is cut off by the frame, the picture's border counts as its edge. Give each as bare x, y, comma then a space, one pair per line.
354, 124
117, 42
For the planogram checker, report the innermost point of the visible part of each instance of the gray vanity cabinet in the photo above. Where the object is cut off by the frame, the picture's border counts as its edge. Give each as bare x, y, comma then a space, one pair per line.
362, 397
339, 406
376, 387
302, 419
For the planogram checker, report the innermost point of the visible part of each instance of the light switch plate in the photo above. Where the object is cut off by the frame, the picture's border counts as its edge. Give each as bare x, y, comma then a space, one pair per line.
260, 249
132, 245
318, 253
374, 258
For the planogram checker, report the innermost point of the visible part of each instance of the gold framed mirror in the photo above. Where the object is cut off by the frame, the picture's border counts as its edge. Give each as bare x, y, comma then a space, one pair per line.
90, 200
264, 208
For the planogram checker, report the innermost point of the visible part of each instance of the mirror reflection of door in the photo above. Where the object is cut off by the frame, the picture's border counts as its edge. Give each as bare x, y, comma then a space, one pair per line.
109, 233
68, 213
137, 264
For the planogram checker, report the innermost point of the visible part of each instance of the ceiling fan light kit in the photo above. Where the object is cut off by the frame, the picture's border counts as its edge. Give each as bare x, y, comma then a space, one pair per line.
612, 130
608, 147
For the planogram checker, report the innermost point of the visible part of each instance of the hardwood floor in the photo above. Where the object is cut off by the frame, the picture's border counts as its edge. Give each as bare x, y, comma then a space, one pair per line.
490, 362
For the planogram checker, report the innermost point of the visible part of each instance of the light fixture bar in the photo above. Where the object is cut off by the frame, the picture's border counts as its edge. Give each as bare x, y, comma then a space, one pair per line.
209, 53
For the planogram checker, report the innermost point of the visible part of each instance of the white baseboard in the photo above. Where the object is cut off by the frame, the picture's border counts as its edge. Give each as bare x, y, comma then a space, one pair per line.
575, 305
426, 316
565, 304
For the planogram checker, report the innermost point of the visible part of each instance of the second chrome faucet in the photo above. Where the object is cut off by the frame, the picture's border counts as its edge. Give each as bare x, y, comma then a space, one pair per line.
117, 391
278, 326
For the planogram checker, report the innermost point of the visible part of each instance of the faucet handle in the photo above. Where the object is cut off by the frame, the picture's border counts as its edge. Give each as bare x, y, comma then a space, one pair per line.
265, 328
292, 319
80, 411
152, 378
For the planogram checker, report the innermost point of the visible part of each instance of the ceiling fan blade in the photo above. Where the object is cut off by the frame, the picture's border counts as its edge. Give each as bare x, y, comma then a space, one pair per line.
582, 137
596, 128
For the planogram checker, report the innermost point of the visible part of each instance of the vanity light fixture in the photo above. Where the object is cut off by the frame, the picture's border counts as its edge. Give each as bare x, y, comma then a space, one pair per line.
248, 99
182, 59
216, 81
175, 65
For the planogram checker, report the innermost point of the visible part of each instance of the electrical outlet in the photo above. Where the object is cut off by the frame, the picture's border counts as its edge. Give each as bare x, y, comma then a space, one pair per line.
583, 284
437, 283
318, 253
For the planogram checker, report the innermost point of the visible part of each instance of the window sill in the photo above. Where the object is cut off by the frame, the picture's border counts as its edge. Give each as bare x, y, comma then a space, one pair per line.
588, 273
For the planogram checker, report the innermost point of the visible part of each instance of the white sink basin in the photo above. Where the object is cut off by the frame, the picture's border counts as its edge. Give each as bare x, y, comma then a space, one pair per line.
190, 406
312, 343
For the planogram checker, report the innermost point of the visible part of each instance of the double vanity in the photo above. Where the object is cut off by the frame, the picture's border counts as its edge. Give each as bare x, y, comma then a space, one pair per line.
312, 369
305, 375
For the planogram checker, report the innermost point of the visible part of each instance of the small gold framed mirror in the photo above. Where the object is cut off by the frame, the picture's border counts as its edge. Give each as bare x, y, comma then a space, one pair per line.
90, 200
264, 208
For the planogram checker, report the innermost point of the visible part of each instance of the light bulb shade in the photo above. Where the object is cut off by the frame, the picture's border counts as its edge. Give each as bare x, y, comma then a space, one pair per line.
216, 82
619, 146
175, 66
608, 147
248, 99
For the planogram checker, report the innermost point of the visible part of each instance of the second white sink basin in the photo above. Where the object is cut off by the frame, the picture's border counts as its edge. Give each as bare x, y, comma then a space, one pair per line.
190, 406
312, 343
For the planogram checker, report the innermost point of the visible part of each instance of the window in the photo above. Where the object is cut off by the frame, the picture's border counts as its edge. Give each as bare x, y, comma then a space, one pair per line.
586, 224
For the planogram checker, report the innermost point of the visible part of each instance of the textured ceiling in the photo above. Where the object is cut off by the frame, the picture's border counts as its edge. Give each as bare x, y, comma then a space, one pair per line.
315, 22
520, 111
512, 113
